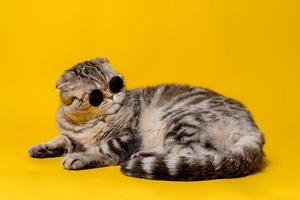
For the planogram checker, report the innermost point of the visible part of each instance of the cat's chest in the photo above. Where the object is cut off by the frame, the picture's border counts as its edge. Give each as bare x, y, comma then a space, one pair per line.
89, 135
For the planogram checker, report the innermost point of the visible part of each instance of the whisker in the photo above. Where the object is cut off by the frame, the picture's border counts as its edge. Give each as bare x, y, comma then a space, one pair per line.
94, 116
63, 84
112, 102
105, 105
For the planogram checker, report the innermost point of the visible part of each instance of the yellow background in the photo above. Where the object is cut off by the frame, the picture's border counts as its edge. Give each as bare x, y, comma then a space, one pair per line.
248, 50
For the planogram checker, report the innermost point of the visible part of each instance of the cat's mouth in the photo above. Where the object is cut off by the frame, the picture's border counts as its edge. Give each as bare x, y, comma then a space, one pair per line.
72, 100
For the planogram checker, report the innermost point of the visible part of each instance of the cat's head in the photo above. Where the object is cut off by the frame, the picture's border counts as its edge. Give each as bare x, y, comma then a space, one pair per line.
90, 89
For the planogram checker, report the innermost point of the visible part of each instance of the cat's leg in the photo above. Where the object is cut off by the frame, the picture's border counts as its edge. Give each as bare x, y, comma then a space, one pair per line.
112, 152
85, 160
54, 148
180, 155
185, 157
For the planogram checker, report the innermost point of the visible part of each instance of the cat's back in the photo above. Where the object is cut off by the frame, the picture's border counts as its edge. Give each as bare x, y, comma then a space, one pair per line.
171, 98
169, 93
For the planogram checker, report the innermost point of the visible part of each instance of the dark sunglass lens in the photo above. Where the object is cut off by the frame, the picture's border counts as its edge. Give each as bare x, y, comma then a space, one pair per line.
116, 84
96, 98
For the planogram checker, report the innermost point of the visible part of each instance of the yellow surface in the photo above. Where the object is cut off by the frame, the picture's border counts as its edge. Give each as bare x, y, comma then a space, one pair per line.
248, 50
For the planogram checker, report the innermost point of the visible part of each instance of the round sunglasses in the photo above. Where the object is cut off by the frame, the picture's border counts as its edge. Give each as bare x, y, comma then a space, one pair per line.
115, 86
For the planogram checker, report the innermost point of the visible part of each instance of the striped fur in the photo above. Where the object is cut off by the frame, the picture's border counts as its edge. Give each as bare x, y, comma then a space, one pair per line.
165, 132
193, 167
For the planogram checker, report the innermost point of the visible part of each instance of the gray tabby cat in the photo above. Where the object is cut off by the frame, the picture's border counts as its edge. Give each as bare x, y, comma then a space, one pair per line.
168, 132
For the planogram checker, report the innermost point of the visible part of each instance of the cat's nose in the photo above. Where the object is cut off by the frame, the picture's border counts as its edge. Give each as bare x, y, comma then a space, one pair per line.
107, 95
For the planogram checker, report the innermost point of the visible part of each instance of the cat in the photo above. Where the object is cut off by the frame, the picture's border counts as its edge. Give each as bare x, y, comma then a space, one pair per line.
165, 132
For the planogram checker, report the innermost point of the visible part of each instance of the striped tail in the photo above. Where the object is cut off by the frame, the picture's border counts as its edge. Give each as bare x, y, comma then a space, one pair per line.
183, 168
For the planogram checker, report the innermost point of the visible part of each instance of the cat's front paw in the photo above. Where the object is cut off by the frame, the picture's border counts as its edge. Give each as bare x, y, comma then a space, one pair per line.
76, 161
39, 151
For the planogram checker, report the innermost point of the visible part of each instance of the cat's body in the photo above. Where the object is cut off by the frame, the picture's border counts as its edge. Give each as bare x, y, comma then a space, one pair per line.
170, 132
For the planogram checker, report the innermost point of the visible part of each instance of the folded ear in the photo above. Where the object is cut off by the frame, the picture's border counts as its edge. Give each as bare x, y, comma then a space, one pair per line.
59, 82
100, 60
63, 80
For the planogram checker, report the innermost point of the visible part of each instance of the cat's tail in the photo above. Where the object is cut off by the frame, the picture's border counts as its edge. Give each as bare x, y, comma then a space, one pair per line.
190, 168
